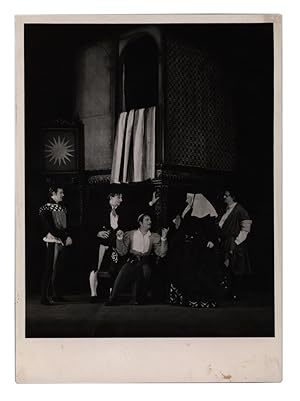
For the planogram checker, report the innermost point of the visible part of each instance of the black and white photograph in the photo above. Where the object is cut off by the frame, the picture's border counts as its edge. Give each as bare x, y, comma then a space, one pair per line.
149, 180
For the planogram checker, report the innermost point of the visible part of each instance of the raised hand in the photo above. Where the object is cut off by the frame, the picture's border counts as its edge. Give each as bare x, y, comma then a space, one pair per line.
103, 234
120, 234
69, 241
154, 198
164, 232
177, 221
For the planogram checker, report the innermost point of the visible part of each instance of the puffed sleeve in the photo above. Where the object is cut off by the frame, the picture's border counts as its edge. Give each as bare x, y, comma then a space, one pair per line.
245, 226
124, 244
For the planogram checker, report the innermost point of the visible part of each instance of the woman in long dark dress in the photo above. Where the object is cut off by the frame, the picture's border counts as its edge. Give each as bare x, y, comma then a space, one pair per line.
192, 255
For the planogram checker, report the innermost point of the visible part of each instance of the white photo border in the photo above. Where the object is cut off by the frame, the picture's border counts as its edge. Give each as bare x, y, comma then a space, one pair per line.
147, 359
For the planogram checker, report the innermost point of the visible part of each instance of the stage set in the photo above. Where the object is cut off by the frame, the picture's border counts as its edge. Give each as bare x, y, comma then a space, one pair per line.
164, 109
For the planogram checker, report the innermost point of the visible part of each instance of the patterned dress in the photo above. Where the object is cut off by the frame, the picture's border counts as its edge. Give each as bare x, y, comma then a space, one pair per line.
193, 266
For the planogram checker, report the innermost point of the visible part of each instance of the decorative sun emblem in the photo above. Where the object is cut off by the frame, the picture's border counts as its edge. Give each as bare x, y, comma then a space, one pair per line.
58, 150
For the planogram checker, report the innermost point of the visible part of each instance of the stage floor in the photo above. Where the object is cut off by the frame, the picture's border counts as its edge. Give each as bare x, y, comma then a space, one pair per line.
78, 318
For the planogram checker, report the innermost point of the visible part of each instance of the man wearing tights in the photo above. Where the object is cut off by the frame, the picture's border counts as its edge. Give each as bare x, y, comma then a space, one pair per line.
53, 215
113, 218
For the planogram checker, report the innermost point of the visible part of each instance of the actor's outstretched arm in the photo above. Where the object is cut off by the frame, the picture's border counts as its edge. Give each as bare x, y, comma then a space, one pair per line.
123, 242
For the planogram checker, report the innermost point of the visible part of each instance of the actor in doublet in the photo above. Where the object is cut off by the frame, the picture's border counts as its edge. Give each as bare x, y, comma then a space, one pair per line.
53, 215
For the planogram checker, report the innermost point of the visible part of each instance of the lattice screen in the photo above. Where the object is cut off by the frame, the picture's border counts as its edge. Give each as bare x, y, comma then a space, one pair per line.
199, 122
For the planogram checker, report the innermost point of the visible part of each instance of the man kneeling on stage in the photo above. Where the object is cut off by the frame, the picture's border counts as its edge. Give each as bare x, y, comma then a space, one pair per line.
141, 246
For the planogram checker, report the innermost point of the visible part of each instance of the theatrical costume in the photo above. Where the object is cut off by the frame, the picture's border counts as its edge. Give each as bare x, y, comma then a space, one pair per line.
192, 263
106, 260
140, 250
234, 226
54, 225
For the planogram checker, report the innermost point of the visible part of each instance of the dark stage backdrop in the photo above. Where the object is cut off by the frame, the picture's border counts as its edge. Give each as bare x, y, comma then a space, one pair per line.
234, 67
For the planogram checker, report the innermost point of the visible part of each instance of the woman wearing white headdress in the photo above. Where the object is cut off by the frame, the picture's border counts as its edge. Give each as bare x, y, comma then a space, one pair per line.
193, 262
